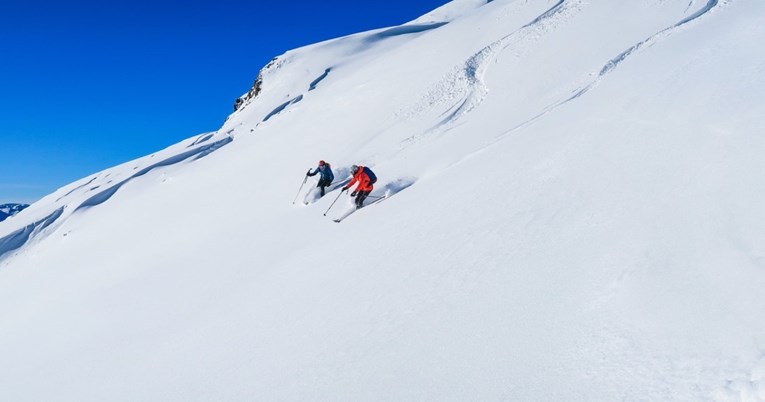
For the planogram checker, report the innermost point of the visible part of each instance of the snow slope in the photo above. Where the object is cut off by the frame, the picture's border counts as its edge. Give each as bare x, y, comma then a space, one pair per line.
575, 213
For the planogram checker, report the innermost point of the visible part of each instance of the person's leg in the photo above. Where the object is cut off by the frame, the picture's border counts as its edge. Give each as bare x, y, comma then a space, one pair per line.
360, 197
321, 185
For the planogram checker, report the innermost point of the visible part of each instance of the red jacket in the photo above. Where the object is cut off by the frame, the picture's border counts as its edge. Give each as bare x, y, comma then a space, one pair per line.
363, 180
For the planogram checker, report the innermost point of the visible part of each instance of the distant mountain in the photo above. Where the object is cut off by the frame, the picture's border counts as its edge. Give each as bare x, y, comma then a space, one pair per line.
8, 210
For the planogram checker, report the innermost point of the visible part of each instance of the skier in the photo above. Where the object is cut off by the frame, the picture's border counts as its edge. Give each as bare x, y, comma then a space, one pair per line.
366, 179
326, 175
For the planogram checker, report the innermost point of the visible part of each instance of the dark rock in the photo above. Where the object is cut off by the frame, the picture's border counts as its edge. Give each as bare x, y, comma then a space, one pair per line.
257, 86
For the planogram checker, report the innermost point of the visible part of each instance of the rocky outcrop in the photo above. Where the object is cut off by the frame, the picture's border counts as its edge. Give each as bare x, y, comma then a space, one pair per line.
256, 86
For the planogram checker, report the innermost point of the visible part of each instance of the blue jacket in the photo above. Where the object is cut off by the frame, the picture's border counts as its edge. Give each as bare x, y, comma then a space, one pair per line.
325, 171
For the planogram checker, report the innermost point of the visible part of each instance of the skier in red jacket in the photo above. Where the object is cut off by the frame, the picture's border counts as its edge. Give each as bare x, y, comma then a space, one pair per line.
366, 179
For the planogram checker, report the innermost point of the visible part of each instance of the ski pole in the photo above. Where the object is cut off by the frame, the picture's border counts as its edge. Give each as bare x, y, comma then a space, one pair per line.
301, 187
333, 202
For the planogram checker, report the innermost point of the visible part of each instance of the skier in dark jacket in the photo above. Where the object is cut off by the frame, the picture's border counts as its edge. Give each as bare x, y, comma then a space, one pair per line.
326, 177
366, 179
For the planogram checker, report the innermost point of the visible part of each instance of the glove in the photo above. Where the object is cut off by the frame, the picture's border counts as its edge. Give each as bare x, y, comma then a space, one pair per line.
344, 189
353, 194
308, 172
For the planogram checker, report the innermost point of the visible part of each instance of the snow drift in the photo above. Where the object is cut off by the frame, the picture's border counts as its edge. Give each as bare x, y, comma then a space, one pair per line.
577, 216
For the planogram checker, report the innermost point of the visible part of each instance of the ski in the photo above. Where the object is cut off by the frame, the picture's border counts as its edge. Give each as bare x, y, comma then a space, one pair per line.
345, 215
350, 212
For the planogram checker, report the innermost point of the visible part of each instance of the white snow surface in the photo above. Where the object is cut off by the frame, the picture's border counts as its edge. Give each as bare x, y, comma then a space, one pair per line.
576, 212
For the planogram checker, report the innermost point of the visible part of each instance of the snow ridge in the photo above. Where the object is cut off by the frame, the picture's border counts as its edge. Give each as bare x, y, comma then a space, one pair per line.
193, 154
73, 202
20, 237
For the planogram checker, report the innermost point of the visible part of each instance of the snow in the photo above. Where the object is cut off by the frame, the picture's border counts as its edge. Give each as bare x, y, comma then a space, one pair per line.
574, 213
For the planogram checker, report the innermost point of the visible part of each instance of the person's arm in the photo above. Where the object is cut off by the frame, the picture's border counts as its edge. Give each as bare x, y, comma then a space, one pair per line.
312, 174
353, 181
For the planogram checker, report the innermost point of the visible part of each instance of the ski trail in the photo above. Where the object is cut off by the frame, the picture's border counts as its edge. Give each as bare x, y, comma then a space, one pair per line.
547, 14
465, 88
608, 68
690, 4
612, 64
475, 68
379, 195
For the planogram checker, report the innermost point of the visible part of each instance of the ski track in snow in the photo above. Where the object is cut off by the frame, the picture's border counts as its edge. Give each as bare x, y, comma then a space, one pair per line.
553, 10
609, 67
379, 195
612, 64
690, 4
466, 82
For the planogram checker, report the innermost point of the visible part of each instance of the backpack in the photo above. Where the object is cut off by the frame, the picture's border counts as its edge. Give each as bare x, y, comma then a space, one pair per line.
372, 177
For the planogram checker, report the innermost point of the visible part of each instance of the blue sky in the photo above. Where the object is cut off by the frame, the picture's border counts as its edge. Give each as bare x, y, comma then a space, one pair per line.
85, 85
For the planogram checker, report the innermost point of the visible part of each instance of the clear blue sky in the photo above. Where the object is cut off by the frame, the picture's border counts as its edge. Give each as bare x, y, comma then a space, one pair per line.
85, 85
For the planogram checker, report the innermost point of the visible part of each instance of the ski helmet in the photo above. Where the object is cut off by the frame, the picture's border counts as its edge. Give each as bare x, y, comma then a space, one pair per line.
354, 169
321, 163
